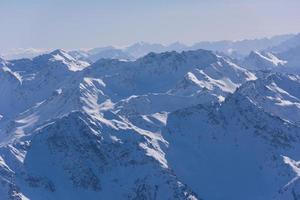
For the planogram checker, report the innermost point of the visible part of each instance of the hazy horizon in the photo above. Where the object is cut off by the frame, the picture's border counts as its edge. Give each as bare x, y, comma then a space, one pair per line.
77, 24
41, 50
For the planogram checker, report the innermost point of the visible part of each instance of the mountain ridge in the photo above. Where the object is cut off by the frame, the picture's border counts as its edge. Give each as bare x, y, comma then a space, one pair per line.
159, 127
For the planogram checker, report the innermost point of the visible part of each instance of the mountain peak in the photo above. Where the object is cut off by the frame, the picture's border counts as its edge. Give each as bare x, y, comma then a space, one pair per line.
63, 57
177, 46
142, 43
85, 131
262, 61
2, 62
58, 51
276, 93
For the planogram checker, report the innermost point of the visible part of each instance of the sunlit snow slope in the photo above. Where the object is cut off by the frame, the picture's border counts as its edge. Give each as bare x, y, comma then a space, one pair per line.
190, 125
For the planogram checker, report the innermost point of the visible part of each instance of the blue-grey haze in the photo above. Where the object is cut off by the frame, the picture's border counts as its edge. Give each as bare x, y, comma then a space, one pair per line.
90, 23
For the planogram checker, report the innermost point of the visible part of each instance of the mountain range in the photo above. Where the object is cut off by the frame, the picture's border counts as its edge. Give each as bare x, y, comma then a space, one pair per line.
129, 124
236, 49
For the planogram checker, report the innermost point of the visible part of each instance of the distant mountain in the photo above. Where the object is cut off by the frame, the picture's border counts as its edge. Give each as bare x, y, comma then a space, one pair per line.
96, 54
235, 49
112, 53
242, 47
140, 49
23, 53
292, 56
134, 51
290, 43
177, 46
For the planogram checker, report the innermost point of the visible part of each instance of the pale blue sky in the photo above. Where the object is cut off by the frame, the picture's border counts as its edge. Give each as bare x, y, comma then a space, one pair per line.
91, 23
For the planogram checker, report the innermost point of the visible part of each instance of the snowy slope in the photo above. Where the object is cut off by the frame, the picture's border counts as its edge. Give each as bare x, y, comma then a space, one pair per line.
263, 61
277, 94
190, 125
112, 84
28, 82
287, 61
2, 62
78, 157
164, 82
233, 151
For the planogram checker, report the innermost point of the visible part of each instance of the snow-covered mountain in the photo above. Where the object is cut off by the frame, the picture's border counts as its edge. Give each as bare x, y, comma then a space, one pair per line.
140, 49
277, 94
79, 55
189, 125
171, 76
109, 53
235, 49
283, 57
2, 62
30, 81
286, 61
235, 151
131, 52
263, 61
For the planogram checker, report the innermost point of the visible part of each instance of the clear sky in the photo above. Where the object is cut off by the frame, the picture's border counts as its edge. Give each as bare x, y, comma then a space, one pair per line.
91, 23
